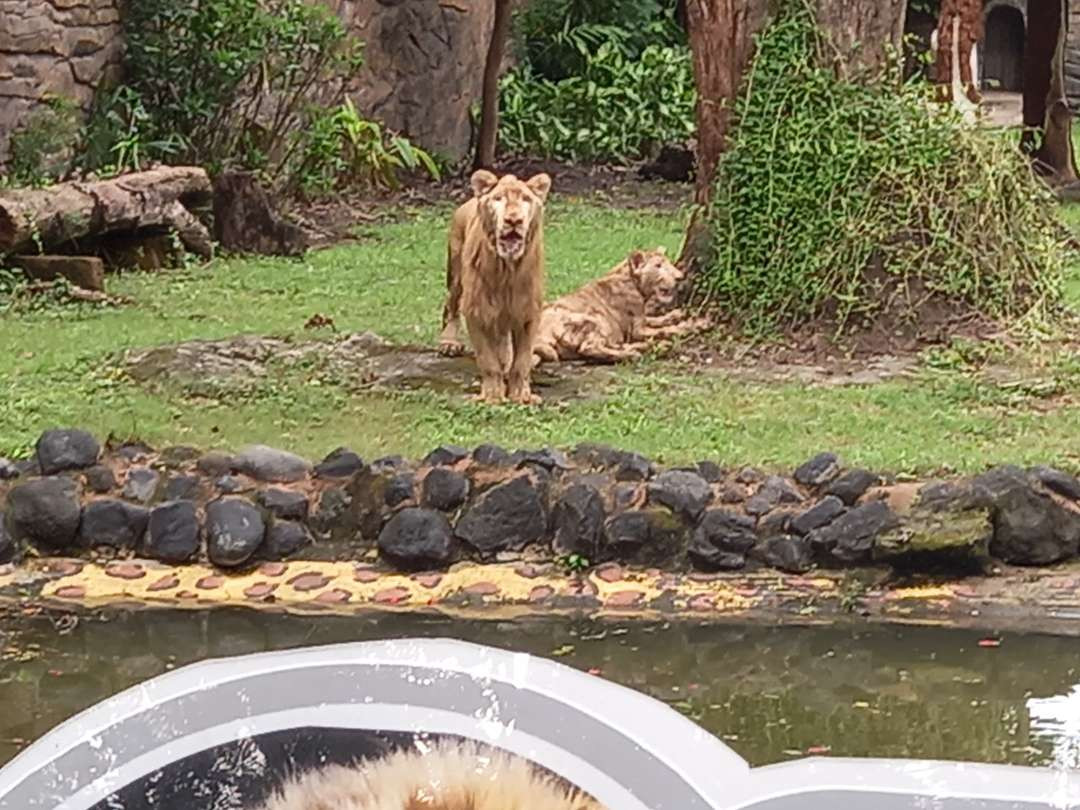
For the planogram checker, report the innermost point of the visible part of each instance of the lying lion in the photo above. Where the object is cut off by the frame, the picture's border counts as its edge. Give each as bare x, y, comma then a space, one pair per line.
451, 776
495, 278
615, 317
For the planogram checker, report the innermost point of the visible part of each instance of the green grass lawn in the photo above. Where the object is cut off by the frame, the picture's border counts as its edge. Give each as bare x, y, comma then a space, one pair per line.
59, 369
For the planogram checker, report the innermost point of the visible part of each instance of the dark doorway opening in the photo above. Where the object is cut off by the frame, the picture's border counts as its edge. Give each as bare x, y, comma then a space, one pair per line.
1003, 50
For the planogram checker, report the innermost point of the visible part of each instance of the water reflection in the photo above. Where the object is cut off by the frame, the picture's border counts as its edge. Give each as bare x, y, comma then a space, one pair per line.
1057, 720
771, 692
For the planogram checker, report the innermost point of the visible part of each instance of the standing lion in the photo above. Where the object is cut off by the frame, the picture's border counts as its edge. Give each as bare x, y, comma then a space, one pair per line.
495, 278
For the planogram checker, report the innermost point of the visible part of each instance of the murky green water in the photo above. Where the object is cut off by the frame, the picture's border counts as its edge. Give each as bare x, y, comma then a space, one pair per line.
771, 692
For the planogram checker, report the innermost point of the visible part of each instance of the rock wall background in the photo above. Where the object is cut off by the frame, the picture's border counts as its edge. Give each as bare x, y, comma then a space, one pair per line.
53, 47
423, 70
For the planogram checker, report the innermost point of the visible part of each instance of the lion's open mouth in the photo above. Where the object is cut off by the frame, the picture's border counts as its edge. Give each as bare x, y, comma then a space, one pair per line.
511, 243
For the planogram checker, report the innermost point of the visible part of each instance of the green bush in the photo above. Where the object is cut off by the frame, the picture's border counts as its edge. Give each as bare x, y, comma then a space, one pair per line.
616, 109
555, 37
840, 200
41, 147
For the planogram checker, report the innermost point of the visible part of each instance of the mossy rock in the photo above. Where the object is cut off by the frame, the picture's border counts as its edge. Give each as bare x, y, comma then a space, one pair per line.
952, 537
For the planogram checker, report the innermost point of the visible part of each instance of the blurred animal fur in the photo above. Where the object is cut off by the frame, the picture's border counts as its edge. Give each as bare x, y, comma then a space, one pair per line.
449, 776
495, 278
614, 317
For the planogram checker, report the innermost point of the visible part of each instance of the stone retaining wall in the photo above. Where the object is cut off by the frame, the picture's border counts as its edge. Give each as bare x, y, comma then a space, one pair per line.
590, 506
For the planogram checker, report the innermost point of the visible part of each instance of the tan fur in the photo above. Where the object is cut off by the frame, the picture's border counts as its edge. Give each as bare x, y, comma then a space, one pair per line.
614, 317
452, 776
495, 278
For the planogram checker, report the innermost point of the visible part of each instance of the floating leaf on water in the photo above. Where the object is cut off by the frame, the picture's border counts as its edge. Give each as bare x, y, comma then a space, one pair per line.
860, 704
816, 750
989, 642
565, 649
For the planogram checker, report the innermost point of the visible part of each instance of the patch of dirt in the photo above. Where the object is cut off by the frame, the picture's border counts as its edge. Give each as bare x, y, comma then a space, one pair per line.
333, 219
359, 361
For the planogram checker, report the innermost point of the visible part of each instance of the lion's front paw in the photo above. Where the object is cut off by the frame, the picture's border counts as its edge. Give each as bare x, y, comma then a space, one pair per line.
451, 348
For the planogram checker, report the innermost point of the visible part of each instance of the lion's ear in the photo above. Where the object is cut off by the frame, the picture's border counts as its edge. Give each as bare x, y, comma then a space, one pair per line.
636, 259
540, 185
662, 250
482, 181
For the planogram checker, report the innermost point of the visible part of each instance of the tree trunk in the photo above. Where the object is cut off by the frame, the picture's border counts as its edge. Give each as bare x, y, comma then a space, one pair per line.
1047, 114
960, 27
155, 200
862, 34
489, 111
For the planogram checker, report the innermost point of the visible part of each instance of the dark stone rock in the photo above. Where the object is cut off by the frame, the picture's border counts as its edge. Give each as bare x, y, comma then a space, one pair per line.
133, 451
819, 515
178, 456
8, 469
684, 493
852, 485
66, 449
99, 479
400, 489
284, 504
332, 512
775, 490
369, 493
389, 463
1031, 529
721, 540
444, 489
267, 464
112, 523
547, 459
446, 455
774, 524
45, 512
231, 484
1068, 486
733, 493
27, 466
710, 471
417, 539
283, 539
748, 476
8, 547
506, 517
948, 531
850, 538
785, 553
339, 463
818, 471
141, 484
993, 484
182, 488
216, 464
625, 466
234, 531
172, 535
578, 521
652, 536
491, 455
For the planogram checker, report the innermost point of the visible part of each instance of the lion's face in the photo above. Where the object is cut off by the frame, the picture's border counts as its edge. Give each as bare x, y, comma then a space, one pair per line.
656, 277
510, 209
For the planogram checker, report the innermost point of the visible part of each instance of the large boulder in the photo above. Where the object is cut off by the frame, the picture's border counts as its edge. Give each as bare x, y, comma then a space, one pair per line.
817, 516
114, 523
416, 539
284, 504
508, 516
339, 463
785, 553
943, 529
268, 464
652, 536
722, 540
45, 513
852, 485
66, 449
1031, 528
773, 492
578, 521
818, 471
234, 531
141, 484
283, 539
850, 538
172, 534
683, 492
444, 489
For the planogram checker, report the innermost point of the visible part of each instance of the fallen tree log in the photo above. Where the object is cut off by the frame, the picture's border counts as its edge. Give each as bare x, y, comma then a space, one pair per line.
153, 201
